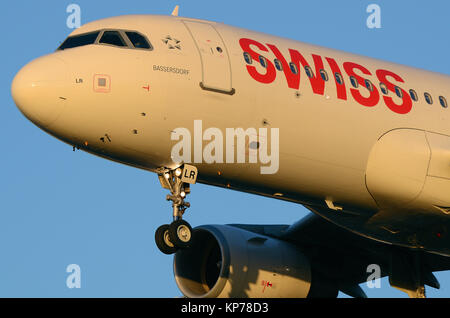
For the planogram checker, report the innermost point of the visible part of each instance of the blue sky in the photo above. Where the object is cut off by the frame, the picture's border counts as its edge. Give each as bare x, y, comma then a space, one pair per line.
59, 207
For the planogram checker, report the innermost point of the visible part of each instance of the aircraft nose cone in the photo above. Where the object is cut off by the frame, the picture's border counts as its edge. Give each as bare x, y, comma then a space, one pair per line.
39, 90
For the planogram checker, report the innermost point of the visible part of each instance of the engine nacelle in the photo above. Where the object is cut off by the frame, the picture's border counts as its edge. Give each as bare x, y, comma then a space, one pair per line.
225, 261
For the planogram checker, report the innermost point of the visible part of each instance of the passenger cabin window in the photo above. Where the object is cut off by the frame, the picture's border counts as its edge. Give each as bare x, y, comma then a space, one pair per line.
399, 91
413, 95
79, 40
369, 85
443, 101
339, 78
293, 68
112, 38
278, 65
248, 58
309, 71
324, 75
263, 61
354, 82
428, 98
384, 89
138, 40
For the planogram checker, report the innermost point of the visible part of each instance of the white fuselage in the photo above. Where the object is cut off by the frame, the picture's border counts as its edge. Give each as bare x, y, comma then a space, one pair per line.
378, 156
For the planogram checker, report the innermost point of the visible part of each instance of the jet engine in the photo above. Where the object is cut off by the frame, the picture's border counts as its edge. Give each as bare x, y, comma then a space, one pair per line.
227, 261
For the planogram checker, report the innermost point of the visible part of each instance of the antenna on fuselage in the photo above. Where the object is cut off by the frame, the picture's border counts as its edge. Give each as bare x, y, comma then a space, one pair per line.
175, 11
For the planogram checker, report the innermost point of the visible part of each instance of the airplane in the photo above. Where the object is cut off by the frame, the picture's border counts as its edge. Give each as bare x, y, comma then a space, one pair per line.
362, 143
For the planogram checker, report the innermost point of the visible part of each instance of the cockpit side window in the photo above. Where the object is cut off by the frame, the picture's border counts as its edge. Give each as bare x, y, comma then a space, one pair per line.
112, 38
79, 40
138, 40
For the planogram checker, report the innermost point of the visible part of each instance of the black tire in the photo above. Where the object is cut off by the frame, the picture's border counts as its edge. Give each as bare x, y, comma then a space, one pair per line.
180, 233
163, 241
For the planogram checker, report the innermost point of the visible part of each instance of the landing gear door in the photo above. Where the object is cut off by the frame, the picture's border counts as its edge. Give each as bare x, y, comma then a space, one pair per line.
216, 68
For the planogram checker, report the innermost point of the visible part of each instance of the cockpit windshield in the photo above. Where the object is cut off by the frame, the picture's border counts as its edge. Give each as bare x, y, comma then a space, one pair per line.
79, 40
115, 38
112, 38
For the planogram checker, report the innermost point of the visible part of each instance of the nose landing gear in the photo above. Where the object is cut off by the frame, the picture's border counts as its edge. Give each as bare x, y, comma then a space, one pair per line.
170, 238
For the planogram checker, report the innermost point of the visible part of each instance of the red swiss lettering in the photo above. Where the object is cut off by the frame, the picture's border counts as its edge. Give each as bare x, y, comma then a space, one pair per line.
270, 74
341, 90
293, 80
317, 83
403, 108
374, 96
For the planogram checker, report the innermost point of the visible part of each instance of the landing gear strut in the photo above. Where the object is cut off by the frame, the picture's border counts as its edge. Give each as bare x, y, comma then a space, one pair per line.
170, 238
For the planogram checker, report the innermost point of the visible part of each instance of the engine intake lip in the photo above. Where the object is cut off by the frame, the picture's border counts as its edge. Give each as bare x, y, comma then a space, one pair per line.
209, 264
